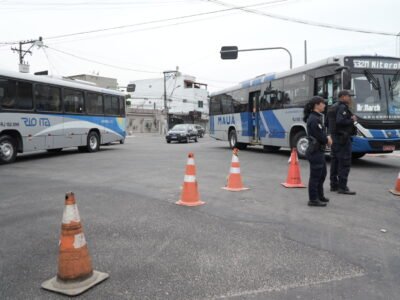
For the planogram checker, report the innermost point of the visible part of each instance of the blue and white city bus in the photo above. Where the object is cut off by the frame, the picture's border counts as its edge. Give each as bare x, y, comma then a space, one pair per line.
44, 113
268, 109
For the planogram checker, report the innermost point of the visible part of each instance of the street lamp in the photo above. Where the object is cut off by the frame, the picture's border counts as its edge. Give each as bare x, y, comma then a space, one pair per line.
231, 52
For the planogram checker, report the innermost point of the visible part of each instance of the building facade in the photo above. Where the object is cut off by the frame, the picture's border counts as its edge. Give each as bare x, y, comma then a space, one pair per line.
186, 99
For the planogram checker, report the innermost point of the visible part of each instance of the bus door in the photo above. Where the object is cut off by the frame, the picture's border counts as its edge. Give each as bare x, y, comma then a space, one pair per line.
254, 119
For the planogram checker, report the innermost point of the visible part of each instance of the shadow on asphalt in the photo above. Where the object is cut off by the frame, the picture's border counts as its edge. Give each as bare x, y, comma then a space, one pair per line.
357, 163
48, 155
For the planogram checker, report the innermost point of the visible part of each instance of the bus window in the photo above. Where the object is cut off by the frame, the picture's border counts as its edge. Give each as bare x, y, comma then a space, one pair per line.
94, 104
320, 87
227, 105
215, 106
24, 95
8, 91
73, 101
111, 105
47, 98
122, 106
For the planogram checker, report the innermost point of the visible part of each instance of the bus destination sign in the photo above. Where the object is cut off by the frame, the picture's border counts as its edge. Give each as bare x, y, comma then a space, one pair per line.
373, 63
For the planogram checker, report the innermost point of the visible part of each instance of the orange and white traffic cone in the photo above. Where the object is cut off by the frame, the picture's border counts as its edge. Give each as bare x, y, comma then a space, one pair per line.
396, 190
190, 194
234, 183
293, 179
75, 273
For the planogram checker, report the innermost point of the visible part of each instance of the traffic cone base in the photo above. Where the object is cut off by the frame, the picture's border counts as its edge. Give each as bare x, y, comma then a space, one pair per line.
235, 189
197, 203
74, 288
290, 185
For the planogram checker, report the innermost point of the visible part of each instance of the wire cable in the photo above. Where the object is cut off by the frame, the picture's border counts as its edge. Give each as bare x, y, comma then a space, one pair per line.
305, 22
102, 63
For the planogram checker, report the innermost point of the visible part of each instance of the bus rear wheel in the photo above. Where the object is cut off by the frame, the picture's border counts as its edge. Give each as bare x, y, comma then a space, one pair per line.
300, 141
93, 142
8, 149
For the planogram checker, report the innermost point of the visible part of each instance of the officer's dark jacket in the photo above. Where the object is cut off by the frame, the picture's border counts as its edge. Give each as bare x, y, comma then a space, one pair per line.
339, 120
316, 129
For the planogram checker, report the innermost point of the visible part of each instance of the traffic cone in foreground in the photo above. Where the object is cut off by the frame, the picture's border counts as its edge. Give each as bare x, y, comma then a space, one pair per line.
234, 183
75, 273
396, 190
293, 179
190, 194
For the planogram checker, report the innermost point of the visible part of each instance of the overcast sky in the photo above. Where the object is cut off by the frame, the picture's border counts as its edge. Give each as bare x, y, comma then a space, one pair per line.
193, 44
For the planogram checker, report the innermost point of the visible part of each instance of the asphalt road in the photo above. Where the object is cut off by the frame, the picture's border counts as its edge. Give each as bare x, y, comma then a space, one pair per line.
264, 243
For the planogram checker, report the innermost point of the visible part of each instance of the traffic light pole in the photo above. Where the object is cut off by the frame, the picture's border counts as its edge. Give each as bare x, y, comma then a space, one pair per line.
230, 52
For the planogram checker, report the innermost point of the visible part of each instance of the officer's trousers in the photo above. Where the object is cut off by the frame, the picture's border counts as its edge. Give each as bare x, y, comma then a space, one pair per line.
317, 175
340, 163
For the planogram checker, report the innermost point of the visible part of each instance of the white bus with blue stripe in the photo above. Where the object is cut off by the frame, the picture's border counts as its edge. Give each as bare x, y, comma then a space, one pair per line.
45, 113
268, 110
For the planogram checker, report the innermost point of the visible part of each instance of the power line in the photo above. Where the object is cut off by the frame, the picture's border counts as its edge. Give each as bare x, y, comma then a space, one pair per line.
153, 21
301, 21
101, 63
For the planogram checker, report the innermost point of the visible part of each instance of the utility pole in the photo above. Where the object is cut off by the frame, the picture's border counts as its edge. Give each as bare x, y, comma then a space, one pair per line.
305, 52
24, 66
165, 94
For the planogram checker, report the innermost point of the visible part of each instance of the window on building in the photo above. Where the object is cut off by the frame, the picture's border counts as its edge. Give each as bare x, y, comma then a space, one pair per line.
47, 98
94, 104
73, 101
200, 104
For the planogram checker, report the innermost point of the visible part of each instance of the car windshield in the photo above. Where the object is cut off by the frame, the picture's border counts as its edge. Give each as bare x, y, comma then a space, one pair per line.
179, 127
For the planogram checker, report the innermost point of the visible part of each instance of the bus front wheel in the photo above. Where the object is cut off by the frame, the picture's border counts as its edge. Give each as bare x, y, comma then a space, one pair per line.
8, 149
233, 143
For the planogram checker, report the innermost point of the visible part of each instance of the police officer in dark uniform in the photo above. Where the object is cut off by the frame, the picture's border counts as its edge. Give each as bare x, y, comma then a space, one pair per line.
341, 127
313, 115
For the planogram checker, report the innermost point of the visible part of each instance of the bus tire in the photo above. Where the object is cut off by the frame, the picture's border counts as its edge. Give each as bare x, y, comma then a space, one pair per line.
8, 149
271, 148
232, 138
93, 142
300, 142
357, 155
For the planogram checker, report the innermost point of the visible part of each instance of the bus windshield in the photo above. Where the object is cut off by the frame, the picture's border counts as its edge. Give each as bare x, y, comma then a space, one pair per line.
393, 87
376, 96
369, 100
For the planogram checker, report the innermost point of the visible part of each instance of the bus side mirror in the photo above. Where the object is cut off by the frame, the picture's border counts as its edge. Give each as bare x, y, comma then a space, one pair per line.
346, 79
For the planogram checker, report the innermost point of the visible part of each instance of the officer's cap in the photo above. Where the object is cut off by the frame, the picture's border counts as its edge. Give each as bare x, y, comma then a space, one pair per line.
345, 93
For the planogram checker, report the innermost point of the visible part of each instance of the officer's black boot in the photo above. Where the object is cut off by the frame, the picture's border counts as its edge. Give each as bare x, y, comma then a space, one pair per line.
316, 203
323, 199
346, 191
